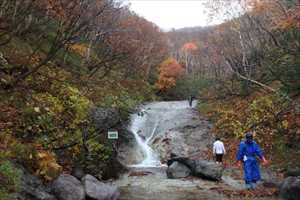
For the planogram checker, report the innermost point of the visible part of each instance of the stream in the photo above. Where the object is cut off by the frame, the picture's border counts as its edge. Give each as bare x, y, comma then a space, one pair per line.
161, 128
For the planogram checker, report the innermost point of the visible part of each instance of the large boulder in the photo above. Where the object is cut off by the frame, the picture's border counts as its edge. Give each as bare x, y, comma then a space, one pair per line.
67, 187
200, 168
290, 188
96, 190
295, 171
31, 187
184, 160
207, 169
103, 119
178, 170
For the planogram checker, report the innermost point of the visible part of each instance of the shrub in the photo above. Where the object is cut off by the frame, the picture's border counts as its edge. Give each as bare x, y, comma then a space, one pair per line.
10, 178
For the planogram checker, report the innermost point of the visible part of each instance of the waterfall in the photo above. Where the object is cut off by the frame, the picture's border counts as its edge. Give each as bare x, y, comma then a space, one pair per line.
155, 119
138, 124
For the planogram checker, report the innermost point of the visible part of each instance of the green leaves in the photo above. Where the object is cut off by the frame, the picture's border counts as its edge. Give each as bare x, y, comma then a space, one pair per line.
10, 178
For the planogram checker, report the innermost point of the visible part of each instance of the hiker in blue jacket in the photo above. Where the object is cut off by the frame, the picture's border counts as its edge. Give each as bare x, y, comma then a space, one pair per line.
247, 153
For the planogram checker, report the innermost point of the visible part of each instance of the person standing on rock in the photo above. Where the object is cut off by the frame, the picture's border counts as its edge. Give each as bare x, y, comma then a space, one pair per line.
246, 155
218, 150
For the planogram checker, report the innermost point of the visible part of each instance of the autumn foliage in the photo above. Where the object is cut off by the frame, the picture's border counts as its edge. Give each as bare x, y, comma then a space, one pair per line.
189, 46
169, 70
252, 64
58, 60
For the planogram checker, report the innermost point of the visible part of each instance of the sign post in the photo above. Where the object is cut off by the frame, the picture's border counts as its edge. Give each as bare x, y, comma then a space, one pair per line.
112, 135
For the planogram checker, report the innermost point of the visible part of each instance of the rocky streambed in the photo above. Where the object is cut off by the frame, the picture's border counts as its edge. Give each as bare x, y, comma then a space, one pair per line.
159, 129
172, 127
169, 127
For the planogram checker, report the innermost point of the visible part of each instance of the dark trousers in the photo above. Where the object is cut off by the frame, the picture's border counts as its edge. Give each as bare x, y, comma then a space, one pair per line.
219, 157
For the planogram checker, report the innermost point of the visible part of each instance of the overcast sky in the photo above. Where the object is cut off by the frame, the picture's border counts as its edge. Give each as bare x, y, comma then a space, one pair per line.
169, 14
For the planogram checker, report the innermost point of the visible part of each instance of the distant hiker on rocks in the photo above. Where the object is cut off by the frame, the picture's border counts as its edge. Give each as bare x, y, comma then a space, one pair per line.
191, 100
218, 150
247, 153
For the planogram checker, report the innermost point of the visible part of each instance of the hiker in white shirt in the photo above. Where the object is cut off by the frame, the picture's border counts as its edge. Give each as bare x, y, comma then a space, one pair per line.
218, 150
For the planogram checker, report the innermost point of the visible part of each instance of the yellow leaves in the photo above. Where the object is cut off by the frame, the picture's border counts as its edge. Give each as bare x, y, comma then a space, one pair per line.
49, 102
80, 49
285, 124
242, 115
75, 100
47, 166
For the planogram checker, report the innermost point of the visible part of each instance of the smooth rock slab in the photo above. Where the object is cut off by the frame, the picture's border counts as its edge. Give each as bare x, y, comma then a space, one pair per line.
97, 190
290, 188
178, 170
67, 187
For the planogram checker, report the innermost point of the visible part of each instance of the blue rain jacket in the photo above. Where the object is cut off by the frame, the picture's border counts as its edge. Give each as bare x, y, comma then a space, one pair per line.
247, 153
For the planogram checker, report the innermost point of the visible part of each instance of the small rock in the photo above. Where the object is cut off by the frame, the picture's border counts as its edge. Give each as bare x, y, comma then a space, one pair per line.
178, 170
97, 190
269, 178
67, 187
290, 188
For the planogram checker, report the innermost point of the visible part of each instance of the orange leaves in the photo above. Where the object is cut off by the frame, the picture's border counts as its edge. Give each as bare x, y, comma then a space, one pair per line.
169, 70
291, 20
47, 165
280, 14
189, 46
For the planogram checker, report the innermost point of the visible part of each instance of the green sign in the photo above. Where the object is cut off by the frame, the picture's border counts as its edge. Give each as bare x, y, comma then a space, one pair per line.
113, 135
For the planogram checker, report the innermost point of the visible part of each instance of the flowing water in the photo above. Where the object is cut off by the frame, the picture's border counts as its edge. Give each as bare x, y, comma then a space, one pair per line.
150, 158
160, 126
151, 121
159, 129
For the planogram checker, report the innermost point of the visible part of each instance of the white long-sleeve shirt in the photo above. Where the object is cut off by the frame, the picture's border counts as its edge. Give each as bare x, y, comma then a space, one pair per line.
218, 147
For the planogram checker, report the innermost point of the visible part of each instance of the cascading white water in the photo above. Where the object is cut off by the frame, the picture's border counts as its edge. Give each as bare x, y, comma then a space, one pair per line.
138, 123
154, 119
